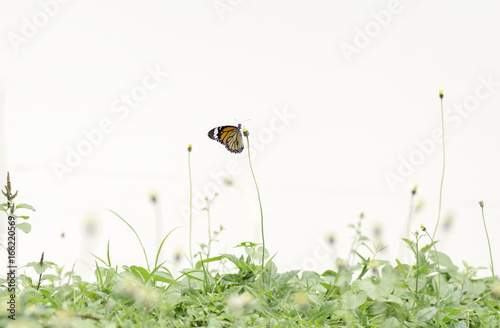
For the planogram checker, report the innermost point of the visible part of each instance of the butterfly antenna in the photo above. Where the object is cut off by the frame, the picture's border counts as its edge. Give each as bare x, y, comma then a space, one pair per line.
248, 119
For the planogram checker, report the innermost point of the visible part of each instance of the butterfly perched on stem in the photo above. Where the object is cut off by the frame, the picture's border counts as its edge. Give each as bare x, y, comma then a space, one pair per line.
228, 135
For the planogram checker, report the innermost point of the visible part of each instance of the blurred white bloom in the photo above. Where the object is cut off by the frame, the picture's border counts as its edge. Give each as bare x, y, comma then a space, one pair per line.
238, 302
302, 301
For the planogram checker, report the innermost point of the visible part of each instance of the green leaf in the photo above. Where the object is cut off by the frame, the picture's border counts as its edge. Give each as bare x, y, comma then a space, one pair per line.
412, 282
390, 323
310, 278
3, 207
36, 265
51, 277
400, 266
107, 253
444, 261
47, 295
26, 206
140, 272
285, 277
425, 315
376, 291
40, 269
159, 248
110, 274
394, 299
410, 243
329, 273
362, 318
24, 226
194, 274
214, 323
246, 244
165, 277
97, 257
173, 298
427, 247
327, 286
352, 300
212, 259
136, 234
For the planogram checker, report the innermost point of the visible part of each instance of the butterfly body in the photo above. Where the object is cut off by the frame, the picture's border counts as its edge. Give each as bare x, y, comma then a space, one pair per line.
228, 135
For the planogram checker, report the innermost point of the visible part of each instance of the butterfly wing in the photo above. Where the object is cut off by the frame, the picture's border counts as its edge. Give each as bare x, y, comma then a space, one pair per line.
230, 136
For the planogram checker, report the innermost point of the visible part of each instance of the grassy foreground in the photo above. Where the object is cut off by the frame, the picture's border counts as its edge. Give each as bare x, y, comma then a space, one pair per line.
431, 291
248, 291
371, 294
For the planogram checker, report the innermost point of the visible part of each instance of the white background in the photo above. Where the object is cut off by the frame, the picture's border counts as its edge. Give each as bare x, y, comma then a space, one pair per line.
360, 79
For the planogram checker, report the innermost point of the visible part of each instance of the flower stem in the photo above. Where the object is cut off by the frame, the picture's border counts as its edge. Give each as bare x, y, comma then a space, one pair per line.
260, 203
439, 276
190, 206
209, 235
418, 273
489, 245
410, 215
444, 165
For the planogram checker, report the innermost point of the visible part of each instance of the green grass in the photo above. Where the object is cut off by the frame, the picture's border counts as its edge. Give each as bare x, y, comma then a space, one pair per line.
368, 293
227, 290
363, 295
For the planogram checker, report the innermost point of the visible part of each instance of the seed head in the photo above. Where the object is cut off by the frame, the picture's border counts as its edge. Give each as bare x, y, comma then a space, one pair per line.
414, 189
331, 238
153, 197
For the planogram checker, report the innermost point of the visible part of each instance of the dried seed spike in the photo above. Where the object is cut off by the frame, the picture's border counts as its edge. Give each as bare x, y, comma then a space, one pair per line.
8, 182
8, 190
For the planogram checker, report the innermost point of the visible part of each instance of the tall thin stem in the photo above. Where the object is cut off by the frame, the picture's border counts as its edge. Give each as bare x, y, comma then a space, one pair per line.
489, 245
245, 131
410, 215
418, 272
439, 274
444, 165
209, 234
190, 206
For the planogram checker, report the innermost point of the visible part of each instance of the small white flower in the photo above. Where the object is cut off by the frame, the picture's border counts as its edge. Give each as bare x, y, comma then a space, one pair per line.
238, 302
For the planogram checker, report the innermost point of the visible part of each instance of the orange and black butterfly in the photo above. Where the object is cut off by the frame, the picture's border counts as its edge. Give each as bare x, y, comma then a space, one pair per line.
228, 135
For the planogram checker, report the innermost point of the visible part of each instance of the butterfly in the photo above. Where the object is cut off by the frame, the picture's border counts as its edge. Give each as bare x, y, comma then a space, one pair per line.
228, 135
